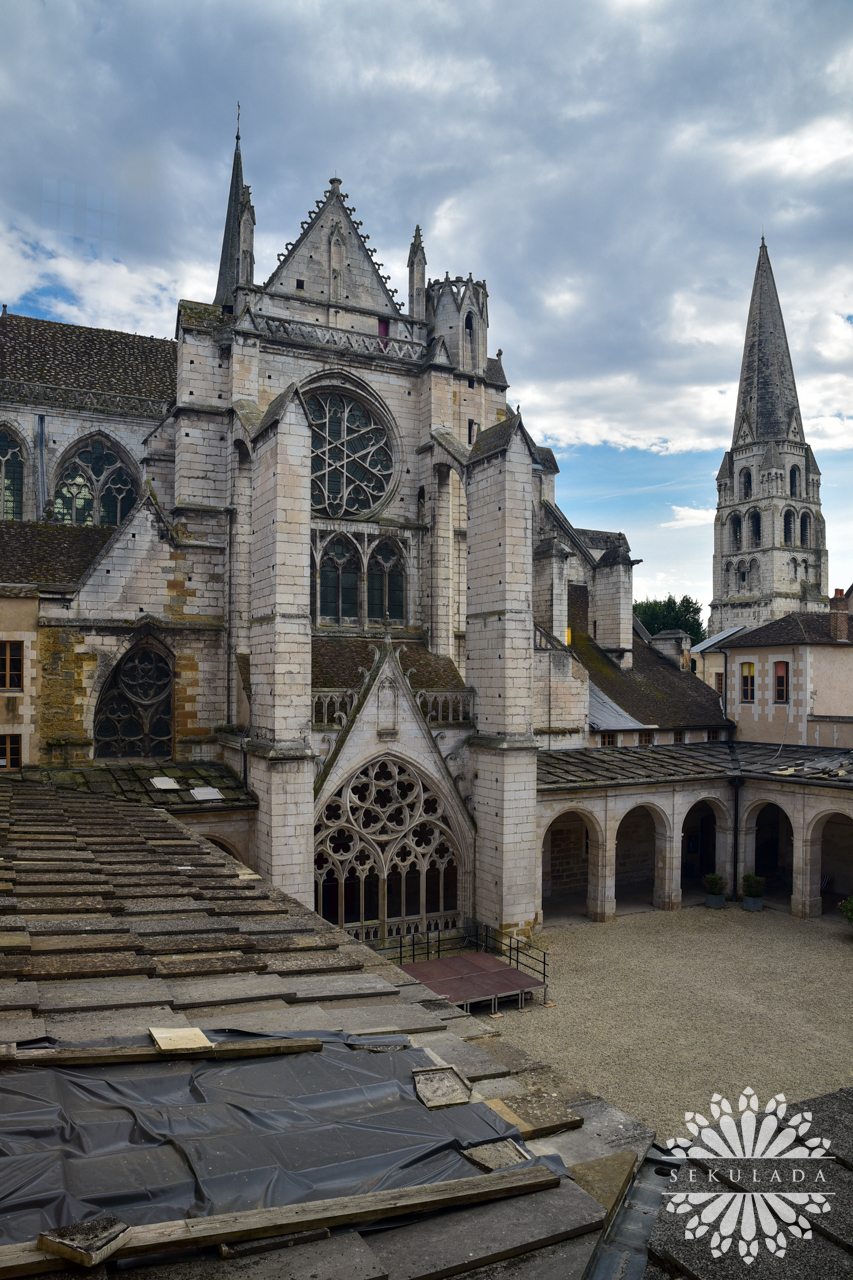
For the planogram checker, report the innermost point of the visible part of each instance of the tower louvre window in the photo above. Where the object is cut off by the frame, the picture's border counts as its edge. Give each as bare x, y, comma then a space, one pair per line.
795, 482
755, 529
789, 528
805, 530
746, 483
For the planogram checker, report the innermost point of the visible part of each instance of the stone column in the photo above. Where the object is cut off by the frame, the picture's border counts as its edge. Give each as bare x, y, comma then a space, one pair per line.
667, 890
806, 901
281, 770
499, 664
724, 855
601, 875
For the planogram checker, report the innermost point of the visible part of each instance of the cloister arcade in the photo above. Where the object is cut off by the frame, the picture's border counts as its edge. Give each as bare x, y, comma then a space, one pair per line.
602, 854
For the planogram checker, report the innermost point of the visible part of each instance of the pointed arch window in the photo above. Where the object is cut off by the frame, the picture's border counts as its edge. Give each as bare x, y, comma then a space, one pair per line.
795, 482
339, 574
385, 584
351, 461
385, 859
96, 487
11, 477
134, 714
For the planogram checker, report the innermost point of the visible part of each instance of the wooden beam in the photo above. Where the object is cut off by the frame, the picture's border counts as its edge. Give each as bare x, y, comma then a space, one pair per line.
254, 1224
94, 1057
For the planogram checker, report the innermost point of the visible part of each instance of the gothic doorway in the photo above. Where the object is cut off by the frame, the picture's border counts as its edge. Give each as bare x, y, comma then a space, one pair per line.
387, 856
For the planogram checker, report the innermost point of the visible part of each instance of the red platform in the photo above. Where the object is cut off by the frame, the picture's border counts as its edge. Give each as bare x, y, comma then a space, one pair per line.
467, 979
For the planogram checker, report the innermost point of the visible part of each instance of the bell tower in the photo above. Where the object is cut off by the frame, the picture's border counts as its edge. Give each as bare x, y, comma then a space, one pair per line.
770, 554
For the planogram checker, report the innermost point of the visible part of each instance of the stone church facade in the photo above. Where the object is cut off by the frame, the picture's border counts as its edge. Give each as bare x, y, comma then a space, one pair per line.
310, 541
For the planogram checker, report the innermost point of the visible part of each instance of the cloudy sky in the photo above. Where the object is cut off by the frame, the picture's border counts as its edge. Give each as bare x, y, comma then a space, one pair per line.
607, 165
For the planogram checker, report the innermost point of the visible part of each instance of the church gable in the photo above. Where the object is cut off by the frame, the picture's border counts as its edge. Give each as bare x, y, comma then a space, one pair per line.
330, 262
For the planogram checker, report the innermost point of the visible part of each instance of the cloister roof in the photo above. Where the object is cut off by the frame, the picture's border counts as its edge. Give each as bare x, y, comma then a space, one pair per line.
600, 767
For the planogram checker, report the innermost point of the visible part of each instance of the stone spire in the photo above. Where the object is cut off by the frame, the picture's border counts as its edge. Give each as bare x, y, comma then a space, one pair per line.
229, 262
417, 277
767, 406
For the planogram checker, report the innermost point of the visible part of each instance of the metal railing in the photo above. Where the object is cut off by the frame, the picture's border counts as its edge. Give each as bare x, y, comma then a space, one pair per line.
113, 402
474, 936
319, 335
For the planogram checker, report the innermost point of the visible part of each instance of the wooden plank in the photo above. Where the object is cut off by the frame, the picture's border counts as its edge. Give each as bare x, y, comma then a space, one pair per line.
86, 1243
95, 1057
339, 1212
179, 1039
27, 1260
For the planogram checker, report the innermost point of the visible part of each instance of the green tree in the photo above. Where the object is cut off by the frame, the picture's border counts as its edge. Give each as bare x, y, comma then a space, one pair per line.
670, 614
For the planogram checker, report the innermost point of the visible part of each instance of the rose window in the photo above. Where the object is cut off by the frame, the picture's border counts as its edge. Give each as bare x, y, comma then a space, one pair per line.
350, 457
386, 857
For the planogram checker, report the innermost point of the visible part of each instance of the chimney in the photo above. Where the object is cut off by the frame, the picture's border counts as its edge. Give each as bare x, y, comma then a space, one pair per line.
838, 616
674, 646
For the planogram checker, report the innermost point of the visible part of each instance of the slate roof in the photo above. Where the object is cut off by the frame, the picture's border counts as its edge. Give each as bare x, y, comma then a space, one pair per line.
627, 766
48, 553
72, 355
133, 782
655, 692
767, 394
794, 628
336, 660
494, 371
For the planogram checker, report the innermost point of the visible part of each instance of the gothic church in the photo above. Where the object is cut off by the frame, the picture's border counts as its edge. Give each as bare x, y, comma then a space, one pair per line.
299, 576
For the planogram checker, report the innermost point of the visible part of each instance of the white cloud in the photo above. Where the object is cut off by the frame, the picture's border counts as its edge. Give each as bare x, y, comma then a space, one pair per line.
689, 517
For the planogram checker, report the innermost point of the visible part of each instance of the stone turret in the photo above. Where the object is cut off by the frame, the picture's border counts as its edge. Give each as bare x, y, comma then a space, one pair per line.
457, 311
769, 539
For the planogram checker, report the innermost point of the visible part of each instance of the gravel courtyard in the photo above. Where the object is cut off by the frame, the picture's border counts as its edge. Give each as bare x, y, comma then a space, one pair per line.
658, 1011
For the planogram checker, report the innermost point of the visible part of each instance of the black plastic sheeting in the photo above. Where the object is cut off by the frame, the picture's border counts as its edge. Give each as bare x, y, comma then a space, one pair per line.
173, 1139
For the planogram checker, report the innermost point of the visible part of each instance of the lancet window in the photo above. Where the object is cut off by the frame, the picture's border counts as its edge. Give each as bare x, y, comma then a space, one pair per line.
339, 574
386, 861
11, 477
96, 487
385, 584
134, 714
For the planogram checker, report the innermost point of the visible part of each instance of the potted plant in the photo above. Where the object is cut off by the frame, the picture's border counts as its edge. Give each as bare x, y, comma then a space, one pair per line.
713, 886
753, 888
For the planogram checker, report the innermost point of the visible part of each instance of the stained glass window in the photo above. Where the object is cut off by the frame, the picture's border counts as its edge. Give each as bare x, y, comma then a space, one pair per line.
350, 457
385, 582
11, 478
339, 582
95, 488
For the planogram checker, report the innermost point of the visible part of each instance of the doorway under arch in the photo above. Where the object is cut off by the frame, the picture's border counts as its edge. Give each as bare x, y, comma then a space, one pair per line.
565, 869
774, 853
698, 850
836, 862
636, 839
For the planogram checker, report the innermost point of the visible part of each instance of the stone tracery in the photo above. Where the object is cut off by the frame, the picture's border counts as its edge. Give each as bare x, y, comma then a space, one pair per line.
350, 456
386, 859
